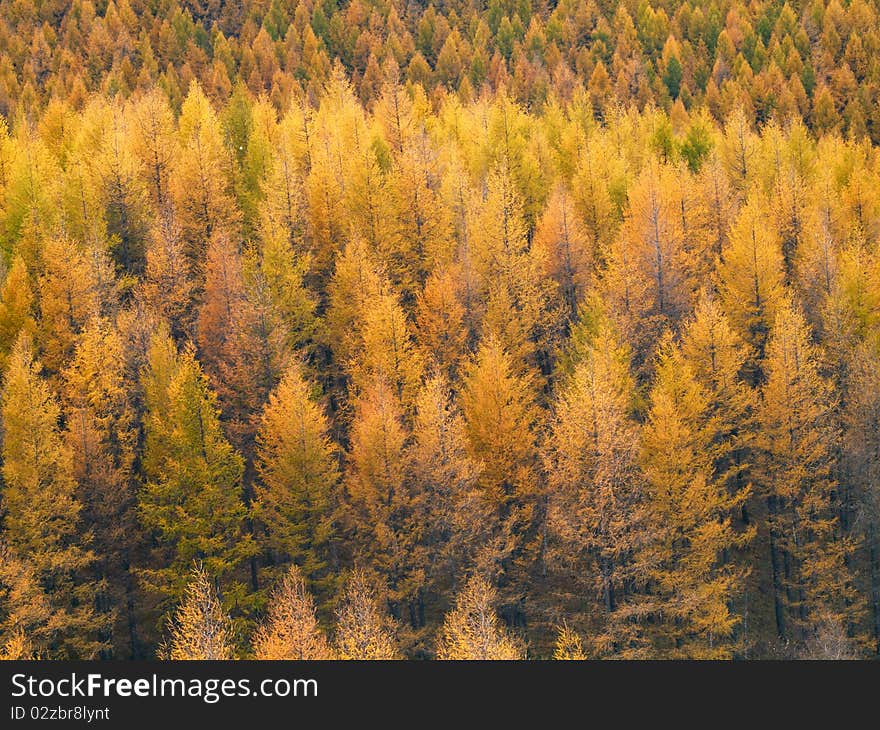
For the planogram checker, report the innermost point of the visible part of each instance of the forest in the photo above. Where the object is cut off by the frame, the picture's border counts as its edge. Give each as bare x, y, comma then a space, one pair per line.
467, 330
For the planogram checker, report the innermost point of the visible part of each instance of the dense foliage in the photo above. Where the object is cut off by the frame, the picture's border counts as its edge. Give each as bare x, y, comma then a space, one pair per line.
456, 332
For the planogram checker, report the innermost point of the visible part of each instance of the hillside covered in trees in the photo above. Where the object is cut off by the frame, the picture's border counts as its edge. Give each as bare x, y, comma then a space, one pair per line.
383, 330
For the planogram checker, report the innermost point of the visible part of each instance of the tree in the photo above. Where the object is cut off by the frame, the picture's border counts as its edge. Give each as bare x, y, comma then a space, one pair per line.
421, 239
75, 285
16, 303
647, 279
471, 630
27, 618
387, 351
716, 355
595, 509
499, 413
153, 143
168, 286
569, 646
363, 631
455, 517
298, 474
42, 512
518, 295
688, 588
380, 500
291, 629
192, 499
811, 582
101, 432
200, 178
200, 630
440, 327
569, 250
751, 279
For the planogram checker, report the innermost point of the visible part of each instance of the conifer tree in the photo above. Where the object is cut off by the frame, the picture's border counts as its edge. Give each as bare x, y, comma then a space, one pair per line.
16, 303
363, 631
570, 252
594, 487
42, 511
647, 277
297, 477
291, 629
811, 583
200, 630
687, 520
455, 517
471, 629
200, 180
499, 413
102, 435
751, 279
569, 646
28, 621
192, 499
380, 499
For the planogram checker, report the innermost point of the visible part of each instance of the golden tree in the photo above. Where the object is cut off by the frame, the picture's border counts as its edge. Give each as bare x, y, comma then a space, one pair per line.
291, 629
471, 630
687, 520
363, 631
811, 581
297, 477
200, 629
594, 486
41, 511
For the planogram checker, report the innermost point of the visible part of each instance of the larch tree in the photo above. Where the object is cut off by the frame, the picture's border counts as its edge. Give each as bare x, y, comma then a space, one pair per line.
192, 498
363, 630
221, 301
686, 587
440, 331
861, 466
75, 285
456, 518
168, 286
569, 646
42, 514
647, 279
102, 435
380, 504
357, 280
598, 174
570, 257
200, 629
811, 581
27, 617
750, 279
16, 307
518, 296
153, 143
298, 476
200, 179
472, 630
291, 630
421, 239
121, 192
275, 279
717, 355
499, 412
387, 350
717, 197
595, 488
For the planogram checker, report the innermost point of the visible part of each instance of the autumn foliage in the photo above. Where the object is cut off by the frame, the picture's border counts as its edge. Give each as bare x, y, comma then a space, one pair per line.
497, 331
